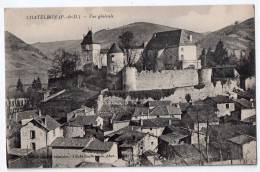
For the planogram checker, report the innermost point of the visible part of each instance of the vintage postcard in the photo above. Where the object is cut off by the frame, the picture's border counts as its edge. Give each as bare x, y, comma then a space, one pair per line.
130, 86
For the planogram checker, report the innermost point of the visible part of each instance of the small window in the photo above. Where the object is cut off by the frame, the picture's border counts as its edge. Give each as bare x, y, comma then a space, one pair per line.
151, 143
32, 134
182, 49
151, 129
158, 116
97, 158
33, 146
227, 106
182, 56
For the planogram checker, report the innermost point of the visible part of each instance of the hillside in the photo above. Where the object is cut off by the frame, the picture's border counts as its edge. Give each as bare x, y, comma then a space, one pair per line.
235, 36
23, 60
142, 32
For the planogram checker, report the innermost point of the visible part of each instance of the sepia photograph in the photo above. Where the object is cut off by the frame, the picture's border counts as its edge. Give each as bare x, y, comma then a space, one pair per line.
130, 86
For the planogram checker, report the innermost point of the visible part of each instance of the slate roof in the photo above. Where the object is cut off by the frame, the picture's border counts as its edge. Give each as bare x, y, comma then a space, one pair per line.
83, 121
242, 139
243, 103
47, 122
114, 49
27, 114
161, 40
97, 145
62, 142
220, 99
250, 119
88, 39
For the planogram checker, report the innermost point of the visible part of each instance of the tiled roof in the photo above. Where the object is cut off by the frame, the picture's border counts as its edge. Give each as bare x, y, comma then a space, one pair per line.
155, 103
27, 115
172, 109
114, 49
161, 40
159, 122
97, 145
242, 139
62, 142
202, 113
92, 164
172, 138
47, 122
83, 120
140, 111
159, 111
20, 152
186, 150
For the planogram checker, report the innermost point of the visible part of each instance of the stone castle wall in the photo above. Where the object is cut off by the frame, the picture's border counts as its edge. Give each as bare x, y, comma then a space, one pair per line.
165, 79
209, 90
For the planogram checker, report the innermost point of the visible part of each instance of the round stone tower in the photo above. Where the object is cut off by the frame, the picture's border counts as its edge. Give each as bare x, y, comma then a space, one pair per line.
129, 78
205, 75
115, 59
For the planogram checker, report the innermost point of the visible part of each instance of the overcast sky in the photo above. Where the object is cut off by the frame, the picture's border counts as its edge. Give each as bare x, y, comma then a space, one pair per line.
195, 18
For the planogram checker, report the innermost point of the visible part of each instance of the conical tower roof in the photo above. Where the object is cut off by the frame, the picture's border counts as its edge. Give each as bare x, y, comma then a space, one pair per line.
88, 39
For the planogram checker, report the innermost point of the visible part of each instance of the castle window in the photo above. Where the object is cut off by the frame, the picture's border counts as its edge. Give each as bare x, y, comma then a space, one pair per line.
32, 134
227, 106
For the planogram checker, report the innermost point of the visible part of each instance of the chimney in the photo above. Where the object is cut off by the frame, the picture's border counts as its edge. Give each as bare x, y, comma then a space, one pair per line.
170, 121
252, 103
190, 38
40, 112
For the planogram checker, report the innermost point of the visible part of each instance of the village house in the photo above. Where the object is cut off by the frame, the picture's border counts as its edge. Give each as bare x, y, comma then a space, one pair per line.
25, 116
130, 143
158, 111
40, 132
223, 103
82, 111
243, 147
78, 126
101, 152
58, 105
245, 107
197, 118
67, 152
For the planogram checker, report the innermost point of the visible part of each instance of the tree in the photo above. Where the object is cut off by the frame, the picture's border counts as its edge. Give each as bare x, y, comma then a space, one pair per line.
38, 83
63, 64
220, 54
126, 43
188, 97
203, 58
19, 85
